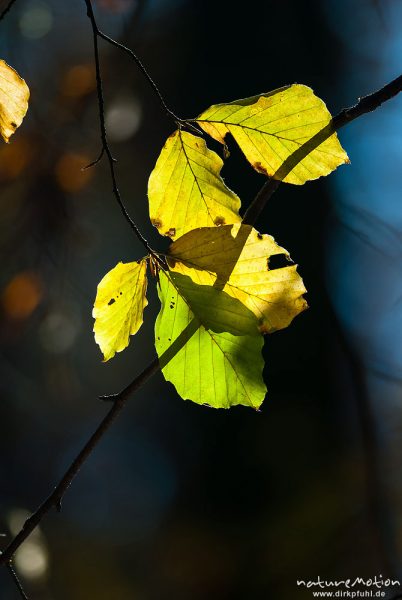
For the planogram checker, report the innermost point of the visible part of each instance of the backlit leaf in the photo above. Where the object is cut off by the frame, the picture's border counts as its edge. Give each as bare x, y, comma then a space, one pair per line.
235, 258
14, 96
119, 306
214, 308
186, 190
210, 367
270, 127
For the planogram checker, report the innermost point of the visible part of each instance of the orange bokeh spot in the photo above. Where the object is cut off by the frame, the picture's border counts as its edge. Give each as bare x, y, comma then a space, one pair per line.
78, 81
69, 174
14, 158
22, 295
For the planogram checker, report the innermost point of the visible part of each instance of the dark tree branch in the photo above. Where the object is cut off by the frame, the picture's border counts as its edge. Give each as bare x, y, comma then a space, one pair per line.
5, 10
55, 498
179, 122
16, 580
105, 146
143, 70
135, 58
347, 115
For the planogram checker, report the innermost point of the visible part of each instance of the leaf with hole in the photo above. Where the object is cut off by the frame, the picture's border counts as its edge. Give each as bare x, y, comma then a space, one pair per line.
236, 259
205, 363
14, 96
185, 189
270, 127
119, 306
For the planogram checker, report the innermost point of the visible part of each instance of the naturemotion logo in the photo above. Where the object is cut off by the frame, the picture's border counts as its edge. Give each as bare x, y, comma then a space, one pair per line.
357, 587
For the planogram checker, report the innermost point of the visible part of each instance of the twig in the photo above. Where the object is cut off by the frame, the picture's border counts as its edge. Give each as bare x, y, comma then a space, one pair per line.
16, 580
128, 51
5, 11
55, 498
105, 146
347, 115
179, 122
132, 55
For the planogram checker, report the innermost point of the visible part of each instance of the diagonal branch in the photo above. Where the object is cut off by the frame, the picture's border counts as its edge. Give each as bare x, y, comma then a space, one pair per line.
5, 11
16, 580
347, 115
143, 70
55, 498
132, 55
179, 122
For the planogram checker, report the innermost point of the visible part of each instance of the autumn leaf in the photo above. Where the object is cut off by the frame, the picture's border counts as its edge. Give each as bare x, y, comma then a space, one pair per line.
185, 189
214, 308
14, 96
270, 127
119, 306
216, 368
235, 259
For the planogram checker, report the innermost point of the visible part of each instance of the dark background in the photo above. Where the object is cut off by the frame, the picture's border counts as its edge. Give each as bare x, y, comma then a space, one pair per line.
181, 501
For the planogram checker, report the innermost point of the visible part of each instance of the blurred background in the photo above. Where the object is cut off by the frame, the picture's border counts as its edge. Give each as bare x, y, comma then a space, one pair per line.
181, 501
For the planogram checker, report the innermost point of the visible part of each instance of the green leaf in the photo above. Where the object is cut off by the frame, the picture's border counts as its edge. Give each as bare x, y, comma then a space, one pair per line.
235, 259
185, 189
207, 366
270, 127
14, 96
119, 306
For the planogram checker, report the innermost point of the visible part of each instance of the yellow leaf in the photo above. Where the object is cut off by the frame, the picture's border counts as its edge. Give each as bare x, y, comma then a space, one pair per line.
119, 306
208, 366
235, 259
14, 96
270, 127
186, 190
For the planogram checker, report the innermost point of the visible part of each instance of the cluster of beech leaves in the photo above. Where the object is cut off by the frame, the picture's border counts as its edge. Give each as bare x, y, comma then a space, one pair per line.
218, 294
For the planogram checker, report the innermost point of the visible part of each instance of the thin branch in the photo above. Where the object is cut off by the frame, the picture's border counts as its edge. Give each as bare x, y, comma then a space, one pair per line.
185, 123
135, 58
347, 115
16, 580
179, 122
96, 161
143, 70
105, 145
5, 11
55, 498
